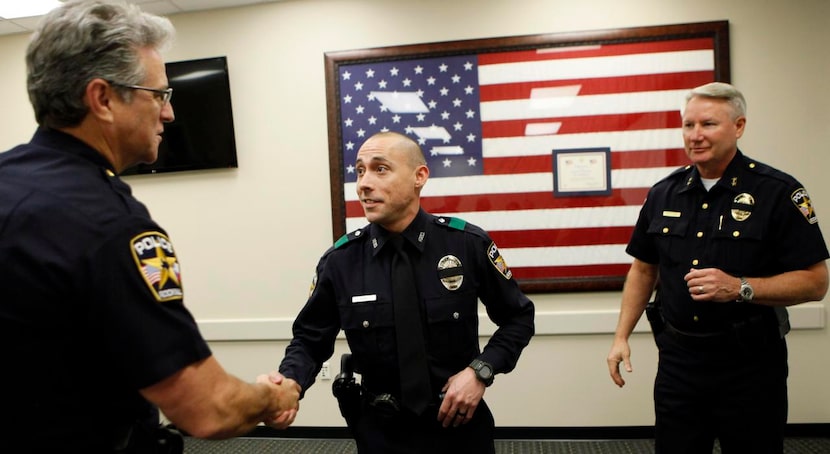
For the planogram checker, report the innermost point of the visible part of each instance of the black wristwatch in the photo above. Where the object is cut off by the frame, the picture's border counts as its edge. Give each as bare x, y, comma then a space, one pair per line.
484, 371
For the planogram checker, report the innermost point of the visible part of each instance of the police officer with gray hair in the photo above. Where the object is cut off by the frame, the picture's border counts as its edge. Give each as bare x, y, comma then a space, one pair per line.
729, 242
94, 334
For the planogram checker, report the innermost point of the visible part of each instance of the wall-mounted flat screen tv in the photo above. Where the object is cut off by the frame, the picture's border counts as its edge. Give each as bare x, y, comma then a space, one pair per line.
202, 135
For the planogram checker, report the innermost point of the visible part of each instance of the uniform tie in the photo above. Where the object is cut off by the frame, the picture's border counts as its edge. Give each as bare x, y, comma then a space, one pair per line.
412, 357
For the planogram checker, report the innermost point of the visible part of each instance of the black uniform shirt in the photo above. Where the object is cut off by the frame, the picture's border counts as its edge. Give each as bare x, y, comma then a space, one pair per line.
91, 307
755, 221
456, 264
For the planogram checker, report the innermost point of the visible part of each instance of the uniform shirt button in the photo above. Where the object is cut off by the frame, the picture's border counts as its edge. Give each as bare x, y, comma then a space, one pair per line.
365, 323
696, 318
665, 230
695, 262
455, 315
700, 234
705, 206
736, 234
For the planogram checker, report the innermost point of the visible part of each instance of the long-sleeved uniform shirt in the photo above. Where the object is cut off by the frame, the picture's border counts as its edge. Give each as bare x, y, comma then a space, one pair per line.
456, 263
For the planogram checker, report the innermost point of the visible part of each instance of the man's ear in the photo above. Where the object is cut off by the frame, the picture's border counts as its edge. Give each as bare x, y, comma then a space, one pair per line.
421, 176
740, 125
99, 97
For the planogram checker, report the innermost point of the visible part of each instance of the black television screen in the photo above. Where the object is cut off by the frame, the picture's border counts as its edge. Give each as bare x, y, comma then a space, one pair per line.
202, 135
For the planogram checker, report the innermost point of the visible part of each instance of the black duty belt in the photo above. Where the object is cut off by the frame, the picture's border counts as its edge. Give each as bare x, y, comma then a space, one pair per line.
753, 331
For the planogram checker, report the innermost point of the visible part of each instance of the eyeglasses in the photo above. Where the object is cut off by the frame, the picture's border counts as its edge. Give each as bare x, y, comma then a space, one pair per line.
162, 95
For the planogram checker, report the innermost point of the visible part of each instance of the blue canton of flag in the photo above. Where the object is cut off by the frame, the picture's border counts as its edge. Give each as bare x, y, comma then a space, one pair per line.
435, 101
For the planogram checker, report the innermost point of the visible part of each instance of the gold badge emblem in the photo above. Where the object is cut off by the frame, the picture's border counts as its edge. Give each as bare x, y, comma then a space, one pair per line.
742, 206
451, 272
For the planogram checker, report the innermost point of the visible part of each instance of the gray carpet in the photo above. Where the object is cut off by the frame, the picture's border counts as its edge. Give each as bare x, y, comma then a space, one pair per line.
339, 446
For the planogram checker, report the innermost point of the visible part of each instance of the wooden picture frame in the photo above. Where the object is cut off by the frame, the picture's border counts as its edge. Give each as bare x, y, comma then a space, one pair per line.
494, 115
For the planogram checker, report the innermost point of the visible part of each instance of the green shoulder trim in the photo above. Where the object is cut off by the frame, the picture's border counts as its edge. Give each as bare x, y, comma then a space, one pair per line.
457, 223
342, 240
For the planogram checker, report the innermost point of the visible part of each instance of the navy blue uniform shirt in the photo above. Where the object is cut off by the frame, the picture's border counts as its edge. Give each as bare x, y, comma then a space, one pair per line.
456, 264
91, 307
756, 221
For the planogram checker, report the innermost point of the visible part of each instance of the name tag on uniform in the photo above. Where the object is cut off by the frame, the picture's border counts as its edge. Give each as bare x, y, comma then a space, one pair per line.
671, 214
364, 298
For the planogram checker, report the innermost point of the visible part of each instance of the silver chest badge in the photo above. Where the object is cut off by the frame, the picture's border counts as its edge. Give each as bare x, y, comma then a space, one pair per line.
450, 272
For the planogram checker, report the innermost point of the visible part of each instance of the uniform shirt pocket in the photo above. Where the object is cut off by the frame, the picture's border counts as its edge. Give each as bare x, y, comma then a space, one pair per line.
452, 327
739, 244
369, 327
669, 234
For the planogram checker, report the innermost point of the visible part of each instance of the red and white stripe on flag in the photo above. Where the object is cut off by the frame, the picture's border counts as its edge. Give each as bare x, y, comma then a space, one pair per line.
626, 97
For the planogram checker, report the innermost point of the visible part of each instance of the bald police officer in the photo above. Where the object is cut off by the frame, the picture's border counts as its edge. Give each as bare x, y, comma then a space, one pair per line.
456, 264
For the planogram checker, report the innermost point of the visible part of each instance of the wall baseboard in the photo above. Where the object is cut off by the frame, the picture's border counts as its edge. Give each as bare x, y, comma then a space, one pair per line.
813, 430
550, 323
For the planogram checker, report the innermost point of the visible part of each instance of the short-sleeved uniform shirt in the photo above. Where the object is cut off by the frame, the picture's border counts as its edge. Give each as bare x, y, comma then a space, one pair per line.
755, 221
456, 264
90, 299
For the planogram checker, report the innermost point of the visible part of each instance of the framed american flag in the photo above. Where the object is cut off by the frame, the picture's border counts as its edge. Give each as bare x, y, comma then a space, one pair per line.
549, 142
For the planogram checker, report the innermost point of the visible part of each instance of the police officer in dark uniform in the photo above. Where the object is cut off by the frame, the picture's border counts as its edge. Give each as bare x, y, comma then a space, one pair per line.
730, 242
94, 335
456, 264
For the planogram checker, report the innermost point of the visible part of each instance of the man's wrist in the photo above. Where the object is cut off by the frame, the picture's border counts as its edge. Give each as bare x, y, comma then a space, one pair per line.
745, 293
484, 371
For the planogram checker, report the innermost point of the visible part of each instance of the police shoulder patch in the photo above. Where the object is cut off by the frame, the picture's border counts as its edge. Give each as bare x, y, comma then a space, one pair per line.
802, 201
498, 261
313, 285
156, 261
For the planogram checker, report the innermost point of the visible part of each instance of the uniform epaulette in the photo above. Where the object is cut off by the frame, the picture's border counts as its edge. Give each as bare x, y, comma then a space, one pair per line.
680, 170
460, 224
754, 166
677, 172
346, 238
760, 168
451, 222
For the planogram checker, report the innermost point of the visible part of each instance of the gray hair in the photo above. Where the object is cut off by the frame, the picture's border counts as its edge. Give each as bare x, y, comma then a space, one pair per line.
83, 40
724, 91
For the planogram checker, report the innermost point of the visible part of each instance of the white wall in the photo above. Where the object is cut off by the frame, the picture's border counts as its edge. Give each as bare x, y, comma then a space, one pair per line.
249, 239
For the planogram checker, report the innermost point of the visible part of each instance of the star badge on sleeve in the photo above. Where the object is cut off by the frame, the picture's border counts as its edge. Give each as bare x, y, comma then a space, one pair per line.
156, 261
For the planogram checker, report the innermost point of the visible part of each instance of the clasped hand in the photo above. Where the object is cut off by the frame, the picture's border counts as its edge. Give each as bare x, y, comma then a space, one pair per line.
287, 394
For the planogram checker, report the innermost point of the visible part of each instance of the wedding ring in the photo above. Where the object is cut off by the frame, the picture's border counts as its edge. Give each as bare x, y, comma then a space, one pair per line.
700, 290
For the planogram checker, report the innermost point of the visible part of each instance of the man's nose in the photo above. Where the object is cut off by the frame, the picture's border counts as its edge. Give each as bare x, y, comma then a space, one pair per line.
167, 114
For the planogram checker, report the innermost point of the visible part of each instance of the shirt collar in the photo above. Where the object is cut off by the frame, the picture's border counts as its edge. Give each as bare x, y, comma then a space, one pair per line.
415, 233
731, 179
67, 143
